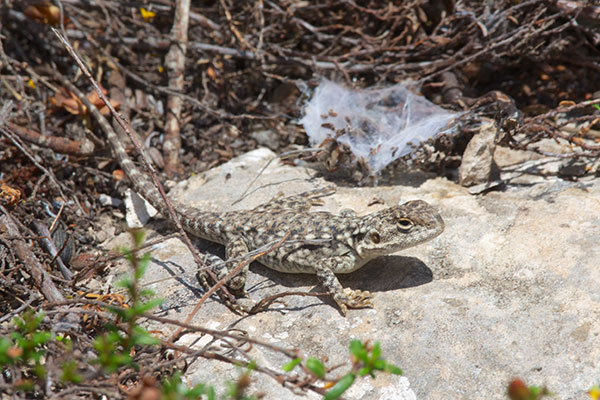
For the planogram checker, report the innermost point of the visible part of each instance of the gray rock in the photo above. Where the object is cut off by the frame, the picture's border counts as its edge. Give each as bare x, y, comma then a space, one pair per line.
478, 159
267, 137
138, 211
107, 200
509, 289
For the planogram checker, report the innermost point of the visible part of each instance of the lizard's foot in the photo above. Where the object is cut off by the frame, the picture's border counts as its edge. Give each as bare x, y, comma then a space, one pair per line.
241, 305
349, 298
237, 284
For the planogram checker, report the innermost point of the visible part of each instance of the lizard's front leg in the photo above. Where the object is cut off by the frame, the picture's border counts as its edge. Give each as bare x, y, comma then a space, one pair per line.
344, 297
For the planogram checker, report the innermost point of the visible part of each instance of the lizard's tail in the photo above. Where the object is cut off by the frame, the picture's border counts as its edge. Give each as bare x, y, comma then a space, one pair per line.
188, 216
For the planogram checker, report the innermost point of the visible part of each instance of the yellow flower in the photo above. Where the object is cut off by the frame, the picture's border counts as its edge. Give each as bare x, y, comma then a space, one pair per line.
595, 392
146, 14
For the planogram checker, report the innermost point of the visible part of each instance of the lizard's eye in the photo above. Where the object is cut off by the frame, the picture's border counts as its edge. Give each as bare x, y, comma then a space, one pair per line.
405, 224
375, 238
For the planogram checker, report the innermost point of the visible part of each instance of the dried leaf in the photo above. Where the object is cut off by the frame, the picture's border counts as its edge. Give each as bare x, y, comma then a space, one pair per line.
9, 195
72, 104
566, 103
211, 73
118, 175
44, 13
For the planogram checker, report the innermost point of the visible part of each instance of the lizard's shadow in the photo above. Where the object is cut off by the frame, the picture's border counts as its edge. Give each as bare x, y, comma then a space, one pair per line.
380, 275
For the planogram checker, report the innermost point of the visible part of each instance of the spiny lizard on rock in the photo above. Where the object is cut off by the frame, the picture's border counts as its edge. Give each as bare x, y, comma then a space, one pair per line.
317, 243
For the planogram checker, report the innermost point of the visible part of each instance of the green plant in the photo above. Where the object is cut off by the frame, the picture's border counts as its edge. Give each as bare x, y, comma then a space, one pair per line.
518, 390
116, 346
237, 390
24, 348
173, 388
69, 372
366, 359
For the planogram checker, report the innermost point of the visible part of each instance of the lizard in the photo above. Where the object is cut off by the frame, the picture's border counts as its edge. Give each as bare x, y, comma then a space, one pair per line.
318, 242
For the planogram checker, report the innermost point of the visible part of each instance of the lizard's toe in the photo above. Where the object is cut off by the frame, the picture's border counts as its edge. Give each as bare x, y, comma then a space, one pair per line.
237, 284
353, 299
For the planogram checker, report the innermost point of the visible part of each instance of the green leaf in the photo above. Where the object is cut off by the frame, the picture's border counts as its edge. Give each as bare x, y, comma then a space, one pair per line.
316, 367
26, 385
356, 346
69, 372
17, 337
232, 390
196, 392
138, 236
34, 355
39, 370
5, 345
291, 365
340, 387
364, 371
147, 293
39, 338
126, 283
141, 308
392, 369
210, 393
126, 252
111, 354
358, 350
251, 366
142, 265
376, 352
379, 364
122, 313
534, 391
142, 337
29, 322
537, 392
172, 386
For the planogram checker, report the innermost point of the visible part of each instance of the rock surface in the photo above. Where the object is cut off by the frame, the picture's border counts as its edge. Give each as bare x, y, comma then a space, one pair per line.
509, 289
478, 158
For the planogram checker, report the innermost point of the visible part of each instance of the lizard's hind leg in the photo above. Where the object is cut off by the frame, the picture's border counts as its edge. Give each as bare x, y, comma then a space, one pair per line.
236, 251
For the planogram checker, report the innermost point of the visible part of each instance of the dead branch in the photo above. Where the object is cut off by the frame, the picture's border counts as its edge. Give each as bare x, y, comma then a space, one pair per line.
175, 62
82, 147
42, 279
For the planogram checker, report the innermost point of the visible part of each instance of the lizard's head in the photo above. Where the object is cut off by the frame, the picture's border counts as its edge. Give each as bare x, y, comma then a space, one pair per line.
397, 228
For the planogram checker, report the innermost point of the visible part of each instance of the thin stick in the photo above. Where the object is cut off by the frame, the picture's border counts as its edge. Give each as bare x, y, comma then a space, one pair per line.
175, 62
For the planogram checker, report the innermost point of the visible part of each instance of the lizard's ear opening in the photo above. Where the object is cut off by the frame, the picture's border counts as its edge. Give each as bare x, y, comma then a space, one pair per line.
375, 238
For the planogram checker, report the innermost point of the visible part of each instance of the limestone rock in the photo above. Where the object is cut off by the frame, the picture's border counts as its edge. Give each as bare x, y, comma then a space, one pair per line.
509, 289
478, 159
